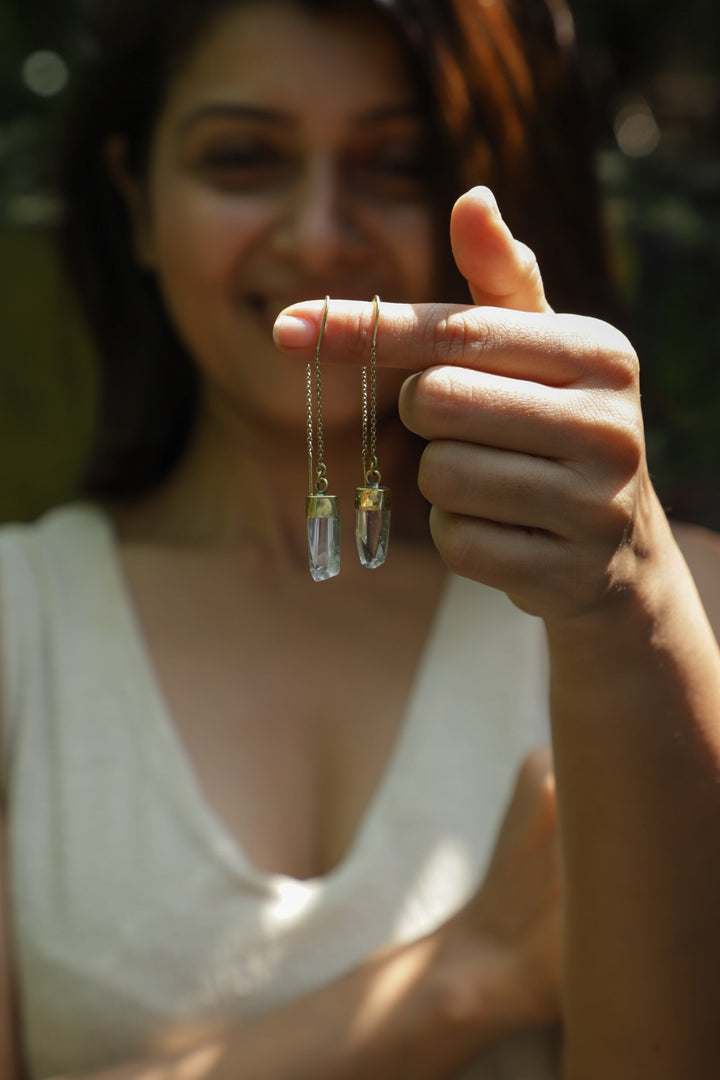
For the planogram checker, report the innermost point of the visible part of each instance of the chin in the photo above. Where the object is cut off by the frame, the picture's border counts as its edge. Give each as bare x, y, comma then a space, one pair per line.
271, 387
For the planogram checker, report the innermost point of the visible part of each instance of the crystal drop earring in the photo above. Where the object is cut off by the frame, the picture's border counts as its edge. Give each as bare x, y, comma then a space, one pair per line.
372, 501
321, 509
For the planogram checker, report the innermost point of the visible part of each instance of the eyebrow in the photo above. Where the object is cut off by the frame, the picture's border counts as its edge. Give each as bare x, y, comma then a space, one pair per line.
228, 110
222, 110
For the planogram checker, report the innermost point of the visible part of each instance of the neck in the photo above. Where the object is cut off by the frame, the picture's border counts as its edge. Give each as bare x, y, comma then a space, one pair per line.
244, 483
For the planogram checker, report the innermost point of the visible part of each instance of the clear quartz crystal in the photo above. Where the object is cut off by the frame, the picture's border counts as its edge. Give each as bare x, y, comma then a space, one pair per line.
323, 529
372, 525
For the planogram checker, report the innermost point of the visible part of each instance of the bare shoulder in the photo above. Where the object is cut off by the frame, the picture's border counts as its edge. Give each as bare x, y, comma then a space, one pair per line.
701, 549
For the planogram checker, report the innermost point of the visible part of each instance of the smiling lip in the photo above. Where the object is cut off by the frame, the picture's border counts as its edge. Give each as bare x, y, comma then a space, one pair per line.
264, 309
267, 306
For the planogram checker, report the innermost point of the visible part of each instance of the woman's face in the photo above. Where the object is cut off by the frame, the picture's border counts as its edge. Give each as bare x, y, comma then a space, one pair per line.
287, 163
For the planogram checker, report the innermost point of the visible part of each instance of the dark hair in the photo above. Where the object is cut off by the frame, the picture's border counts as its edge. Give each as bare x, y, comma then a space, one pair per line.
506, 107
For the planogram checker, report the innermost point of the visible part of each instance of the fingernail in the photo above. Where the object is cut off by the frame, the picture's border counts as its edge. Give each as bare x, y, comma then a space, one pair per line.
292, 332
493, 204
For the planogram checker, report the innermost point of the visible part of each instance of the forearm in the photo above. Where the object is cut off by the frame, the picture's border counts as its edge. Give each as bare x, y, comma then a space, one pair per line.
400, 1014
636, 731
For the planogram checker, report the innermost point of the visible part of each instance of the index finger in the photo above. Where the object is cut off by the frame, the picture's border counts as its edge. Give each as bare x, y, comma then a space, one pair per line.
524, 345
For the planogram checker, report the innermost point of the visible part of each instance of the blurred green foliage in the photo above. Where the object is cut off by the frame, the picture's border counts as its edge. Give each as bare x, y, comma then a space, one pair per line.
654, 62
46, 379
653, 72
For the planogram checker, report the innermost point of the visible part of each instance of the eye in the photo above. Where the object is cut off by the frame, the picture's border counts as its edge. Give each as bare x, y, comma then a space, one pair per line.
395, 170
237, 157
409, 167
242, 165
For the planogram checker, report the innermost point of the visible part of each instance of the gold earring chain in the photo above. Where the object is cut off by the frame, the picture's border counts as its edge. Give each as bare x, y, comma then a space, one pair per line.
321, 509
317, 481
371, 471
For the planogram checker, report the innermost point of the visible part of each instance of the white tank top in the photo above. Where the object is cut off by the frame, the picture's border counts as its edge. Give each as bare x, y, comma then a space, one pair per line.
136, 917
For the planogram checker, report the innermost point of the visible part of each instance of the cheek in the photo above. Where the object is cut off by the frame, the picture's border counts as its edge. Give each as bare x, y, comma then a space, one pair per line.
199, 236
193, 254
413, 243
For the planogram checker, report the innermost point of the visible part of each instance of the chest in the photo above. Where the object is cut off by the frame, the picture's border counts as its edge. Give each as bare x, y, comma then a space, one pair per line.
288, 706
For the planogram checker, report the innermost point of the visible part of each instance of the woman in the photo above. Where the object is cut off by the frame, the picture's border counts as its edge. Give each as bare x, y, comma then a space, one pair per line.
251, 819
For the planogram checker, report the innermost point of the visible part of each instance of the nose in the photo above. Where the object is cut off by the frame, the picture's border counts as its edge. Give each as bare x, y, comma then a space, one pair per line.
315, 227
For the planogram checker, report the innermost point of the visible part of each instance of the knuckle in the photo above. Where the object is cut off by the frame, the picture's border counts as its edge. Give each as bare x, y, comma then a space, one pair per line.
628, 447
436, 387
408, 404
436, 395
616, 431
587, 494
622, 362
448, 476
426, 399
458, 334
603, 351
599, 507
359, 330
453, 538
449, 336
438, 474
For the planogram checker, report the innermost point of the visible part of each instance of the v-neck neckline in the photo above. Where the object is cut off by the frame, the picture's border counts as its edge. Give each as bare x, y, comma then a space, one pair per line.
220, 837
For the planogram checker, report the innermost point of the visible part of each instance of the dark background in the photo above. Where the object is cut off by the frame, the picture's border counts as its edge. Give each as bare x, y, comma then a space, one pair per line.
652, 67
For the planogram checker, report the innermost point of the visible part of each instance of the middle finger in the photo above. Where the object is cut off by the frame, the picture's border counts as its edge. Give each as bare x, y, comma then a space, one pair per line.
510, 414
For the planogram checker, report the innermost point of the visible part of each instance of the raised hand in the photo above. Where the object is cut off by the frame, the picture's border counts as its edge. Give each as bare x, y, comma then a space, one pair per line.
535, 464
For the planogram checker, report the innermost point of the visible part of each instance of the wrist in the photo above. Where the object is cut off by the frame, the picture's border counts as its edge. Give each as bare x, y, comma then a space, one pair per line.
645, 581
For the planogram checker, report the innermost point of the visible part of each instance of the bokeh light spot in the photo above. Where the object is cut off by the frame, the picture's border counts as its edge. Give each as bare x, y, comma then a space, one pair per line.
45, 73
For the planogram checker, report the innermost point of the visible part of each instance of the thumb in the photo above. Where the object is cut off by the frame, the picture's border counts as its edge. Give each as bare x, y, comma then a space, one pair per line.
500, 270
